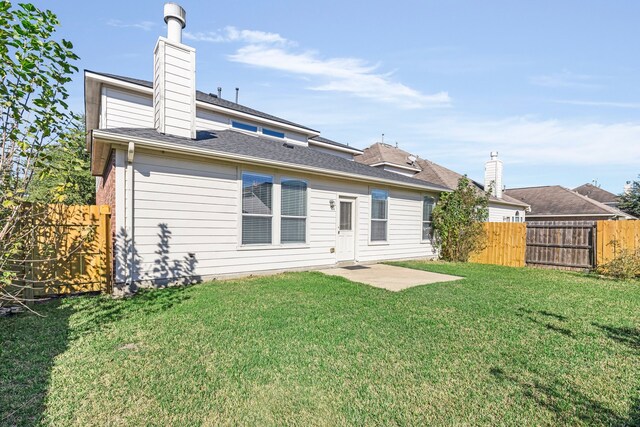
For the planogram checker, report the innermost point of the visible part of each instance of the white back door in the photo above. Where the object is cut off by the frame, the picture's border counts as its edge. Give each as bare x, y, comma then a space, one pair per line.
345, 250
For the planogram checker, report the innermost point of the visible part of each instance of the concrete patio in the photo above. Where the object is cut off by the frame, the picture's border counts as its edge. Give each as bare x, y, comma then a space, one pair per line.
389, 277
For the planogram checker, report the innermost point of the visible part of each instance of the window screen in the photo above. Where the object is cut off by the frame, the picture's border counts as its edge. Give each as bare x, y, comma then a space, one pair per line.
428, 204
293, 222
379, 209
345, 216
257, 200
244, 126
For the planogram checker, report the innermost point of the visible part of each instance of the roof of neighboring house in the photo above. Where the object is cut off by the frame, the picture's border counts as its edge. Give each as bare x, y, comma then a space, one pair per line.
428, 170
596, 193
554, 200
241, 144
209, 98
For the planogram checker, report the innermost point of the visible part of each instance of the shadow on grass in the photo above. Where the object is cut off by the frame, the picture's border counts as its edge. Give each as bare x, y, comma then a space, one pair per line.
543, 317
567, 404
30, 344
624, 335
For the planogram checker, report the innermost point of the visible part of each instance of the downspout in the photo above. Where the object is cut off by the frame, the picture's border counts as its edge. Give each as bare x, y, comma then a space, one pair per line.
129, 204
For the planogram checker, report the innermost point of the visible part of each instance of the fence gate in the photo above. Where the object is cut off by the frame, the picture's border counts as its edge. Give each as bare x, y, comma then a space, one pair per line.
561, 244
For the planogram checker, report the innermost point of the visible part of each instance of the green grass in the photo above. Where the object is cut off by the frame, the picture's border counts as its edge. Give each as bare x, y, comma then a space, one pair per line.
503, 346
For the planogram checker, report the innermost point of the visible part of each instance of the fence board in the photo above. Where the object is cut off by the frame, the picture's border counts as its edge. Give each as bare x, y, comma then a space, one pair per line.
615, 236
73, 251
566, 244
504, 244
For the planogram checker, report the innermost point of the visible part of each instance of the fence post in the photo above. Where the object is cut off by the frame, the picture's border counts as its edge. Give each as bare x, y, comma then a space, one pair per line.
105, 246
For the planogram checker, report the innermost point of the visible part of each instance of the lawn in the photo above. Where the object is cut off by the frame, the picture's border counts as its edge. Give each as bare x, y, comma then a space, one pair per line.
503, 346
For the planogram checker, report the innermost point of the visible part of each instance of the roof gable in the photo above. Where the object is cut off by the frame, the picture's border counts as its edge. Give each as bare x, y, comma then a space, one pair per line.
596, 193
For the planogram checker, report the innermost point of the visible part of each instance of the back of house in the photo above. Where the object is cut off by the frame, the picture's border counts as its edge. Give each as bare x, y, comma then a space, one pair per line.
203, 187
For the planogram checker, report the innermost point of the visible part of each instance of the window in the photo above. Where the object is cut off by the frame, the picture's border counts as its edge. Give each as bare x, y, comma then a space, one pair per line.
428, 203
244, 126
272, 133
345, 216
379, 202
257, 199
517, 217
293, 221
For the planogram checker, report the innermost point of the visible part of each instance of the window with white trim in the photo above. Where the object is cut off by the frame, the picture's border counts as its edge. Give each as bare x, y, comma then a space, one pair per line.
379, 215
293, 215
257, 212
428, 204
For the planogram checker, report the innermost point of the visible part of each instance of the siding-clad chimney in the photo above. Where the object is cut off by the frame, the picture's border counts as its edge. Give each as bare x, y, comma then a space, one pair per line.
493, 175
174, 78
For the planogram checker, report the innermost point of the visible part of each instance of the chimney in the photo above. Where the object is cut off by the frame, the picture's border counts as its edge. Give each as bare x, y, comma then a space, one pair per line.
627, 187
493, 175
174, 78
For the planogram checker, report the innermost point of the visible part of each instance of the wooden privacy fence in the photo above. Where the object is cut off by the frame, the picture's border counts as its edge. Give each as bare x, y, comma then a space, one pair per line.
505, 244
73, 251
615, 236
561, 244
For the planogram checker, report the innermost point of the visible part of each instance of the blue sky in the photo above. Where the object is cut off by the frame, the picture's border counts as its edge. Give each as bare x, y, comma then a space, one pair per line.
554, 86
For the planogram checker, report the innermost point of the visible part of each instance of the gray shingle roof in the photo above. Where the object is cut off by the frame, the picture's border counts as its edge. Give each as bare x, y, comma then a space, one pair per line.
429, 171
596, 193
210, 99
238, 143
557, 200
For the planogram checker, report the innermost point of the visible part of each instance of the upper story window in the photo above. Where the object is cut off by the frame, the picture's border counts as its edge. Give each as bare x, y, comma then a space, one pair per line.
257, 209
274, 133
428, 203
293, 221
379, 215
244, 126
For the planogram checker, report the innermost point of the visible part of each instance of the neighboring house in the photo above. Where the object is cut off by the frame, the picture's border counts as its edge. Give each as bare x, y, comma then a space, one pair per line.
502, 208
598, 194
202, 187
557, 203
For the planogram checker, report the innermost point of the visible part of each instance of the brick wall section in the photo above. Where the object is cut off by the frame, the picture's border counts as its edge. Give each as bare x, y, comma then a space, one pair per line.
106, 189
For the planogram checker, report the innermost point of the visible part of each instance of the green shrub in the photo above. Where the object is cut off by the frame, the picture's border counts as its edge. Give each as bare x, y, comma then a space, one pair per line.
625, 265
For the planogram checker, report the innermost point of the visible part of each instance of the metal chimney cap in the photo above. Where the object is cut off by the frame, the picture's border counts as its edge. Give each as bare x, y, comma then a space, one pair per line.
494, 155
174, 10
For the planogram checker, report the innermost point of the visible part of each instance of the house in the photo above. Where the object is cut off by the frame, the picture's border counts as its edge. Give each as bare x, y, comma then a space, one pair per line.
502, 207
557, 203
598, 194
202, 187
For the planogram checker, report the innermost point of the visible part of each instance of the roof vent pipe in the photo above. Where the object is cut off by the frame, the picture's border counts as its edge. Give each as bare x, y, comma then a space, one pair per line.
219, 92
237, 91
176, 19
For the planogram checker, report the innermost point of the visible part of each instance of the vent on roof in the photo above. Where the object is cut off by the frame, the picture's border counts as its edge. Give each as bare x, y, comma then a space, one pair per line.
285, 145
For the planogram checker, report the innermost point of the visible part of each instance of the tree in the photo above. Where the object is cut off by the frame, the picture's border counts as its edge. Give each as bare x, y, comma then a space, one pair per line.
65, 177
457, 220
33, 115
630, 201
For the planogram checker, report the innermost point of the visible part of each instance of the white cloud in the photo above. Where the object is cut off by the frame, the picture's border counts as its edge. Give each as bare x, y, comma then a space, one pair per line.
633, 105
142, 25
232, 34
533, 141
347, 75
566, 79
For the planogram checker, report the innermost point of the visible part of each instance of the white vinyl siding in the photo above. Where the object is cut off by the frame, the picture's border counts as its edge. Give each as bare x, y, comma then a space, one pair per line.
499, 213
379, 215
187, 221
293, 211
126, 109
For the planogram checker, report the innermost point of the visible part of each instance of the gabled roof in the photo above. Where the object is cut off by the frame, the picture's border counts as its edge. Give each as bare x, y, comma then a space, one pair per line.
237, 145
209, 99
429, 171
596, 193
555, 200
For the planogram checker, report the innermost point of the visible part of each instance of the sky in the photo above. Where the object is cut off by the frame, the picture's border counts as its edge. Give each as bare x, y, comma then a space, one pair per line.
553, 86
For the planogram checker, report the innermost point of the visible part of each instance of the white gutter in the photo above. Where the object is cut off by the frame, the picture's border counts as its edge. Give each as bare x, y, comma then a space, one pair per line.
335, 147
129, 203
204, 105
396, 166
166, 146
569, 215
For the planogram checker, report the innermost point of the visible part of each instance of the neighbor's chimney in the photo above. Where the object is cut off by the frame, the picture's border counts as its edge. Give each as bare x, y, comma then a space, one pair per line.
627, 187
493, 175
174, 78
